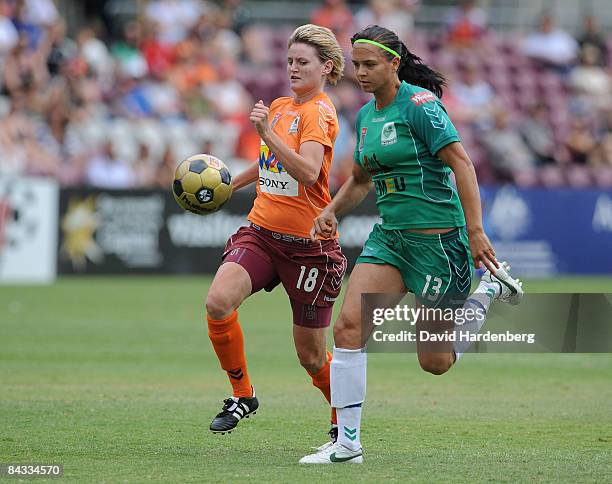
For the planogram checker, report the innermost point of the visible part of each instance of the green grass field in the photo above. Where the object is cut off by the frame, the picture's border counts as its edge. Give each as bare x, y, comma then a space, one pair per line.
115, 379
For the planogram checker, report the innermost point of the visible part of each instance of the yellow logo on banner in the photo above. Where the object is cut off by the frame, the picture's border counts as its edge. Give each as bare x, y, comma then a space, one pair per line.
79, 226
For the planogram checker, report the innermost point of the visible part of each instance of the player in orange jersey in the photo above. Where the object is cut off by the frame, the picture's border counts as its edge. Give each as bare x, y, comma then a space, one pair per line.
297, 145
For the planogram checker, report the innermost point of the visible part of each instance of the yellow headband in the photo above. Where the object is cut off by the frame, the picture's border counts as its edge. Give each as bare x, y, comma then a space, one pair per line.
378, 44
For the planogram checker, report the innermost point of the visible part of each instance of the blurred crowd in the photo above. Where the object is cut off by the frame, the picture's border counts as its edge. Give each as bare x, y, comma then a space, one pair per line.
120, 111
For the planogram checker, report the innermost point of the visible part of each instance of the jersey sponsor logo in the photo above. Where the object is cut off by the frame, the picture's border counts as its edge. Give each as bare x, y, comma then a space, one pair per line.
267, 159
374, 166
436, 116
422, 98
275, 120
273, 178
362, 139
294, 125
390, 185
388, 134
378, 120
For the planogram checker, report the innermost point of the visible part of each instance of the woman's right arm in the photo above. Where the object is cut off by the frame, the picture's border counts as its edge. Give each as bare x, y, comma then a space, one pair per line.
246, 177
351, 194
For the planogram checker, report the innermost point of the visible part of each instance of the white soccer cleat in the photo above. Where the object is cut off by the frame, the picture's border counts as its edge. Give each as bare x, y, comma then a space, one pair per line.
324, 446
511, 289
334, 454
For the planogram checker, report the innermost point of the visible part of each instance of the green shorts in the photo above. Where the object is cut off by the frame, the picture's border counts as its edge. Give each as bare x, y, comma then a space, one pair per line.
437, 268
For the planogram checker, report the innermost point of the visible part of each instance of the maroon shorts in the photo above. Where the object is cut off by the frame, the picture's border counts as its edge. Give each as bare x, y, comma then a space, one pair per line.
311, 272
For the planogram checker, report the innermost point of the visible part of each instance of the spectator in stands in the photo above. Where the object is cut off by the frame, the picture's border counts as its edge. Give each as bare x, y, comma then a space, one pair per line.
62, 142
175, 17
476, 97
159, 55
257, 51
24, 25
238, 15
127, 51
591, 36
538, 135
24, 69
165, 170
229, 98
225, 43
466, 25
59, 48
8, 33
335, 15
21, 148
463, 115
551, 46
396, 15
507, 151
41, 12
603, 153
581, 141
95, 53
144, 167
590, 80
15, 129
106, 170
193, 66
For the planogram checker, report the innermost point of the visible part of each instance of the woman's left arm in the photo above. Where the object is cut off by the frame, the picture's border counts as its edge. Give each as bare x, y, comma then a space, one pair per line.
458, 160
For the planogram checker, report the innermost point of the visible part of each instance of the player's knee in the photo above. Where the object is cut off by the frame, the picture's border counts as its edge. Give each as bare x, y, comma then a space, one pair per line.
436, 364
312, 361
347, 333
218, 306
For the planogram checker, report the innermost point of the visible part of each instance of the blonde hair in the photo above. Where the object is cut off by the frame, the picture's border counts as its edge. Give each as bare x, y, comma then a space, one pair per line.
324, 41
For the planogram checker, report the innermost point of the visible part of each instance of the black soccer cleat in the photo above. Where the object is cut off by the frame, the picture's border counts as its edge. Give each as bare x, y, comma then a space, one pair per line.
333, 434
333, 438
234, 410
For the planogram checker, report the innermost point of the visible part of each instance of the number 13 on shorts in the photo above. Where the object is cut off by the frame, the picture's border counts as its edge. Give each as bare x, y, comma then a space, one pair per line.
307, 279
431, 291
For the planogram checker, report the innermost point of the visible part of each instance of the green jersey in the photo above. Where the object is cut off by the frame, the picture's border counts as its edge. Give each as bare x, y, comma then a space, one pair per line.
397, 145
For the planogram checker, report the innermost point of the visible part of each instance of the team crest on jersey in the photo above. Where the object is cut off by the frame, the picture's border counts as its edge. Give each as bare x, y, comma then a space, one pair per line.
294, 125
388, 134
362, 140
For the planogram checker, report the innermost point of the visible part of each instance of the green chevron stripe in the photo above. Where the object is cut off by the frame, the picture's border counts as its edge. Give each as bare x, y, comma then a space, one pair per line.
350, 433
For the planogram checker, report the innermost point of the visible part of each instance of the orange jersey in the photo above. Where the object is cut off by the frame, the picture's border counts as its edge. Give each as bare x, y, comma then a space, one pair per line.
283, 204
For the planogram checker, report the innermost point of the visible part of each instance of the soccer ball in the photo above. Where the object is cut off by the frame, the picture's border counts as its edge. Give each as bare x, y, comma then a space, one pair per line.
202, 184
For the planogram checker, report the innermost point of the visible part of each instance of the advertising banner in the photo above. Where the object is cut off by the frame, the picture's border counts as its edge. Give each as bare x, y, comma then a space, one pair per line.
28, 230
540, 232
547, 232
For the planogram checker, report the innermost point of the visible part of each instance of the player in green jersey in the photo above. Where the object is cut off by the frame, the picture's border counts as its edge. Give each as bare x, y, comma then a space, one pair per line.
431, 235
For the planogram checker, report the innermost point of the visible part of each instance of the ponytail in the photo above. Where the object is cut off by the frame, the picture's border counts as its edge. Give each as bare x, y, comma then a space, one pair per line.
413, 71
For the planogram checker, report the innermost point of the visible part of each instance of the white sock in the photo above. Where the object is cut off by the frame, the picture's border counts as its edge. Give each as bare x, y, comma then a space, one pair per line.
349, 426
479, 303
348, 388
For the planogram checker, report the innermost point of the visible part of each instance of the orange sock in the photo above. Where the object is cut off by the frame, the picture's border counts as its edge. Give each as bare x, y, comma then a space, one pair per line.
228, 342
321, 381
